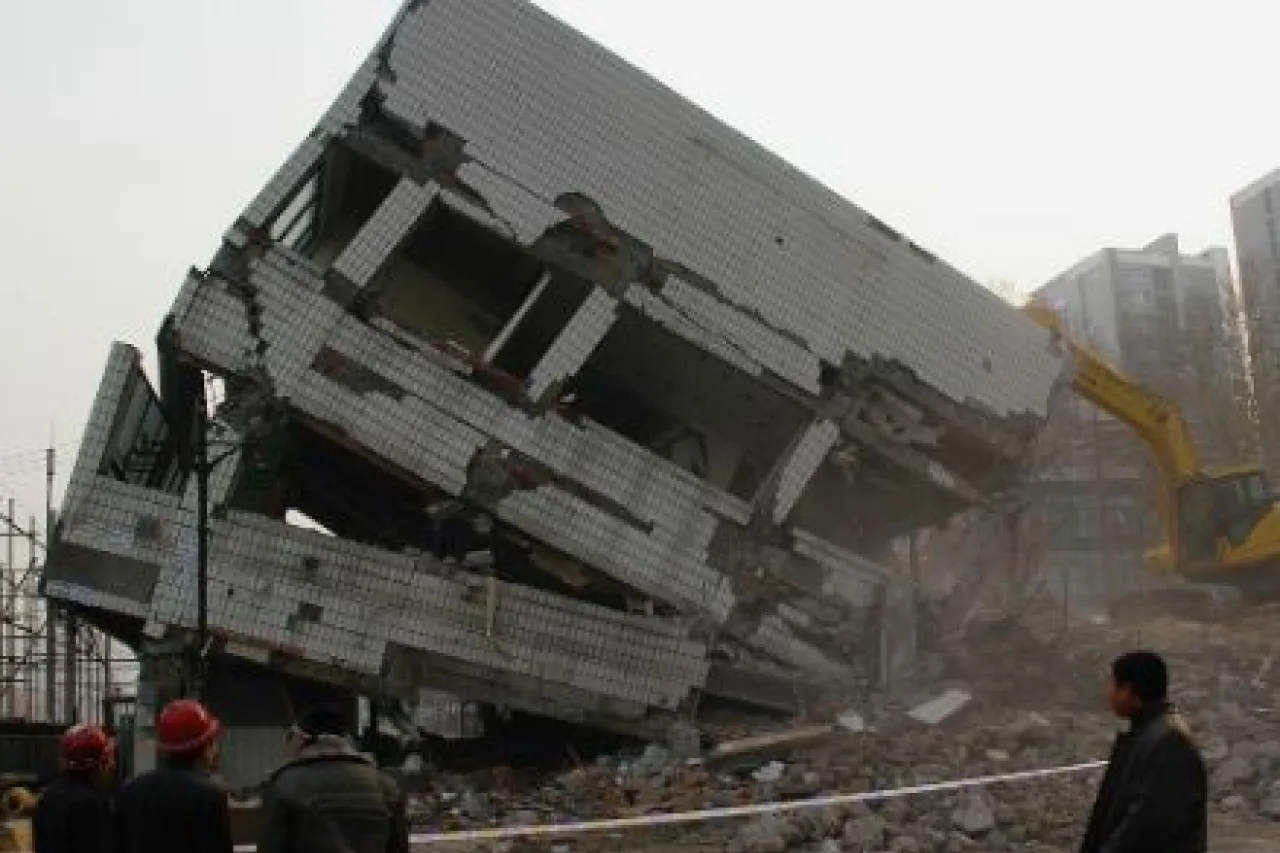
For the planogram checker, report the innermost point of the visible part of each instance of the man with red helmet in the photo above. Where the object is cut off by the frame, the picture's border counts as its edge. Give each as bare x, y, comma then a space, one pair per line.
74, 813
178, 808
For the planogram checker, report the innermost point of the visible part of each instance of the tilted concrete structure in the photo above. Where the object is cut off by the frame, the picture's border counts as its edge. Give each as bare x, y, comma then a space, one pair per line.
604, 405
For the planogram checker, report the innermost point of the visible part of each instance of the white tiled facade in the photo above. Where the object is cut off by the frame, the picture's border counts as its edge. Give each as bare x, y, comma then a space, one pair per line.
261, 574
545, 107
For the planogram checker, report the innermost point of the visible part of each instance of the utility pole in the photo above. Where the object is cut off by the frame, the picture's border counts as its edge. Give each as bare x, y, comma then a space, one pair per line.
8, 601
202, 466
203, 470
107, 687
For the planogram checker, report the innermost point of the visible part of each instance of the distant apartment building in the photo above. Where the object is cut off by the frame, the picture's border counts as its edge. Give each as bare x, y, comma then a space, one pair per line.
1166, 319
1255, 218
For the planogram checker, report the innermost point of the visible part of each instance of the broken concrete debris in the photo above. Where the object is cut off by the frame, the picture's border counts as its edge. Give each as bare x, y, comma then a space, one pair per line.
851, 721
974, 816
937, 709
1053, 717
600, 407
762, 745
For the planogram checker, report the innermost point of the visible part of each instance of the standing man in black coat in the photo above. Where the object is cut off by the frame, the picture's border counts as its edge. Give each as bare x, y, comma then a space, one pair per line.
1154, 795
328, 798
178, 808
73, 815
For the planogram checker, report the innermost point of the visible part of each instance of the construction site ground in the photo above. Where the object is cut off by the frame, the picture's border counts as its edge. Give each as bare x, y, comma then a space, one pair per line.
1010, 696
1035, 689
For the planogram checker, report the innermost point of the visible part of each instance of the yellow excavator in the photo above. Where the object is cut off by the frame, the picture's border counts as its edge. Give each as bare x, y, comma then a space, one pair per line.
1221, 525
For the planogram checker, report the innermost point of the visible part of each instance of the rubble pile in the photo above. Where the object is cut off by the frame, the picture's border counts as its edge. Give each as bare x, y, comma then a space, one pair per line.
897, 753
1038, 703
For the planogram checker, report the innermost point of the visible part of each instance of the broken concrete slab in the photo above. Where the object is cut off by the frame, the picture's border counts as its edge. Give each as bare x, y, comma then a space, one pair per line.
851, 721
762, 747
939, 708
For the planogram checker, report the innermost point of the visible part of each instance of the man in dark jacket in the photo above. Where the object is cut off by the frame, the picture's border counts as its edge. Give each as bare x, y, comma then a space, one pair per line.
178, 808
1154, 795
328, 798
73, 815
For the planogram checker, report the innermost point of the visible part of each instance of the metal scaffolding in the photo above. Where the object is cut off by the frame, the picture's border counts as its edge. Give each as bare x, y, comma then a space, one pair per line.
52, 669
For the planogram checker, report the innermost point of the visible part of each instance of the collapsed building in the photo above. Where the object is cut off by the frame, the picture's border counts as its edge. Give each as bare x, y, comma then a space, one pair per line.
602, 407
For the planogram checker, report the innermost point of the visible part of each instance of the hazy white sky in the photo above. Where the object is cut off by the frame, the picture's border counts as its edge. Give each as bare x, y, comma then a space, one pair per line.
1011, 137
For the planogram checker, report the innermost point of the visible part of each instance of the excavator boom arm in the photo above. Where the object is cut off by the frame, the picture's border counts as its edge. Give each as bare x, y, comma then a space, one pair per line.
1157, 422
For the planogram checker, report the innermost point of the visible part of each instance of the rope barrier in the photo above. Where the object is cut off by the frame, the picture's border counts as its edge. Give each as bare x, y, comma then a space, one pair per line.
728, 812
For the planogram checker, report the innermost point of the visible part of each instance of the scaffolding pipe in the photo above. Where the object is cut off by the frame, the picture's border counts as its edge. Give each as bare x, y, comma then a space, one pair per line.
50, 639
31, 672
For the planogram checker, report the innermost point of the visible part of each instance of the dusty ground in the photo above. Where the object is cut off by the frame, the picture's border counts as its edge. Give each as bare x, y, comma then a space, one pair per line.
1246, 837
1226, 839
1037, 697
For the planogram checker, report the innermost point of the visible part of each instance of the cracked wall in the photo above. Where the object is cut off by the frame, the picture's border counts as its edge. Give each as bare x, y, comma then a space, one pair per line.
281, 591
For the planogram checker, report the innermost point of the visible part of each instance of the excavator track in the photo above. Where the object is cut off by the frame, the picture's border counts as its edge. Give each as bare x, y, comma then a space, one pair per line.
1202, 602
1208, 597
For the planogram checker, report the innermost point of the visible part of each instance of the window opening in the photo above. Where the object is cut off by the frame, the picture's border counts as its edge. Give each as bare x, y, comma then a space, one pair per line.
686, 405
140, 449
454, 280
351, 188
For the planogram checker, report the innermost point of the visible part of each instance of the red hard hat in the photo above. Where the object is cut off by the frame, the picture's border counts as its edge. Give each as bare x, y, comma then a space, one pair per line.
85, 748
184, 727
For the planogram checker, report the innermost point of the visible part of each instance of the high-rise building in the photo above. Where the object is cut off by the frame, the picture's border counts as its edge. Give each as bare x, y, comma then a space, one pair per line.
1168, 320
1256, 224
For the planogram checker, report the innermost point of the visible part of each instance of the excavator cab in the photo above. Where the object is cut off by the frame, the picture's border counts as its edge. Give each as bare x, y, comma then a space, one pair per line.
1217, 514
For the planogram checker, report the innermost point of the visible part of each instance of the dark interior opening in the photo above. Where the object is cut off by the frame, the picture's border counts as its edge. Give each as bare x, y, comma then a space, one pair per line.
355, 498
350, 189
525, 742
686, 405
535, 332
248, 694
866, 503
141, 448
454, 280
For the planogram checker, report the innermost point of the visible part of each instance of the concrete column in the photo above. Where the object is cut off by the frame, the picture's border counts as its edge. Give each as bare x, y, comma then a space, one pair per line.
160, 681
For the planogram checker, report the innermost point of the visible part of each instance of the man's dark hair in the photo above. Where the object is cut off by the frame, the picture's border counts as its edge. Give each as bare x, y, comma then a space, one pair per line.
1143, 672
324, 720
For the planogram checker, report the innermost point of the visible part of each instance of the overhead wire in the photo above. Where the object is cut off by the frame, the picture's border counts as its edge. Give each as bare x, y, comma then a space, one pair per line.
21, 460
8, 490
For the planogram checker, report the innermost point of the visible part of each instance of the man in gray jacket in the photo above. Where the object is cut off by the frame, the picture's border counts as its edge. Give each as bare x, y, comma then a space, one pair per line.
327, 798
